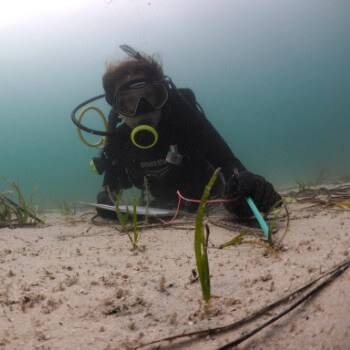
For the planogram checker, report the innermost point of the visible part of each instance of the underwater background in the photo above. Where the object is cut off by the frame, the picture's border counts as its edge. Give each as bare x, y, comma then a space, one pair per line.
272, 76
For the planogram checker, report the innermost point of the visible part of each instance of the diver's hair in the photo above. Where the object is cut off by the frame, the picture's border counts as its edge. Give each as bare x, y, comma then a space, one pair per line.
116, 72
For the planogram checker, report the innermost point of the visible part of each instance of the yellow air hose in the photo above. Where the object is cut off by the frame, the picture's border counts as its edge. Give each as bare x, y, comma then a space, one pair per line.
104, 121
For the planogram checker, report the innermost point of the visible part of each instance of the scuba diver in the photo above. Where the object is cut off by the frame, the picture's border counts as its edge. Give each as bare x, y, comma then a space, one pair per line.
160, 141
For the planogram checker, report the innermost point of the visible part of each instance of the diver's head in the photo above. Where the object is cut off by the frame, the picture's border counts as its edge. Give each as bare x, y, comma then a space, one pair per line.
140, 100
136, 90
125, 82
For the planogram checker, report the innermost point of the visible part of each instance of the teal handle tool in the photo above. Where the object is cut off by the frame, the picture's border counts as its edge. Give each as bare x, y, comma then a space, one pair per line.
258, 216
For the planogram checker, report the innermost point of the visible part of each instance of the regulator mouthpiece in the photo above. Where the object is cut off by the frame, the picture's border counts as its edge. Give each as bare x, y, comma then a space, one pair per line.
144, 136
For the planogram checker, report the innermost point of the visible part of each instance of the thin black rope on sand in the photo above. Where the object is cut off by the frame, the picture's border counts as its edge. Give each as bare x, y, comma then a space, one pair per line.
332, 273
312, 293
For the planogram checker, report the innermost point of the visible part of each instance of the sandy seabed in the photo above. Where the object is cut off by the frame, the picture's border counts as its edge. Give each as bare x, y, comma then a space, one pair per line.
73, 284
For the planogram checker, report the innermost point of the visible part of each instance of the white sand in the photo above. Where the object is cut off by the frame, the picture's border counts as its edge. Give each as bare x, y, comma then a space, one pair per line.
74, 285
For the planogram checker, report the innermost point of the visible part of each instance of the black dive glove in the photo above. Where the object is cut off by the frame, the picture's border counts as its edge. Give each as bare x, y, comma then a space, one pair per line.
246, 184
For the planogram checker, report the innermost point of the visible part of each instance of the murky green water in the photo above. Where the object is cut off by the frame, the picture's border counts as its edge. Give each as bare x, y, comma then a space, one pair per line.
273, 77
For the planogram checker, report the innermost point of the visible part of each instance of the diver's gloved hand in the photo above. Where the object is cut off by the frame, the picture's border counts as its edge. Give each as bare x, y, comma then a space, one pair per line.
245, 184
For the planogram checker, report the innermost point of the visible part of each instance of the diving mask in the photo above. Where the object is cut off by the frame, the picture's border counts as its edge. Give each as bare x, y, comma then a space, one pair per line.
140, 97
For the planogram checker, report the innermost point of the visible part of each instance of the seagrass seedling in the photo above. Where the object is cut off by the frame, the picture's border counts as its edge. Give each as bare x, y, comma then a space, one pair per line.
22, 212
66, 209
201, 241
124, 220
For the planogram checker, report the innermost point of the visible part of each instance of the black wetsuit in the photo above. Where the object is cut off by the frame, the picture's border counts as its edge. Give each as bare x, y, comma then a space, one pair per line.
200, 145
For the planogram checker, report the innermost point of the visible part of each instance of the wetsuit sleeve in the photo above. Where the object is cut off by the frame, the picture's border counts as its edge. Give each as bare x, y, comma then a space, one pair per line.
111, 180
115, 175
211, 144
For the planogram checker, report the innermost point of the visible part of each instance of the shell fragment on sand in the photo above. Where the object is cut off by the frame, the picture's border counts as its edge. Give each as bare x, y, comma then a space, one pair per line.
345, 203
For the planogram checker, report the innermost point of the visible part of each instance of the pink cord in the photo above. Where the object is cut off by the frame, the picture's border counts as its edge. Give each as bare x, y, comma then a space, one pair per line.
208, 201
193, 201
174, 217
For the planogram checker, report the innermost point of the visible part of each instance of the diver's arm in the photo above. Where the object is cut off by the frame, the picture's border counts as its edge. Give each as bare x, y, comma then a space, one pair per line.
212, 146
111, 181
115, 178
240, 183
